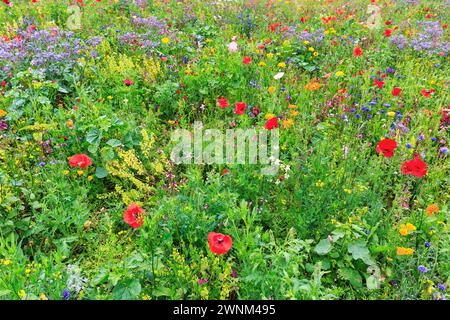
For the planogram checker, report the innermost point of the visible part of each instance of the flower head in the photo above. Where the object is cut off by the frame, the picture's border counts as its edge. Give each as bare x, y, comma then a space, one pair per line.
134, 216
219, 243
80, 160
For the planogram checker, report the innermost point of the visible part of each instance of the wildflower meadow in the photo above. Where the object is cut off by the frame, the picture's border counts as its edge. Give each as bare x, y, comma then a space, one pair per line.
224, 150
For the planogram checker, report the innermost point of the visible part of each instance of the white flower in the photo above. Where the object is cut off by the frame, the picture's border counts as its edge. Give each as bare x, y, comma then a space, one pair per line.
279, 75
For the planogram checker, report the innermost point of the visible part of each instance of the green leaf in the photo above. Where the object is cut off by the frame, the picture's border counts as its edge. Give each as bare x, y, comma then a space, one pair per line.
359, 250
323, 247
352, 276
127, 290
162, 292
94, 136
101, 172
114, 142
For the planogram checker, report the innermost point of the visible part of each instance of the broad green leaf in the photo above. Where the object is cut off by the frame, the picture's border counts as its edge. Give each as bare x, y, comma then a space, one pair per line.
127, 290
323, 247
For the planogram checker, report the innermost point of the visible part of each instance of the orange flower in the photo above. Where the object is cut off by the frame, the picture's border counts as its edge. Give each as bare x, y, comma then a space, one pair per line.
404, 251
405, 229
432, 209
313, 86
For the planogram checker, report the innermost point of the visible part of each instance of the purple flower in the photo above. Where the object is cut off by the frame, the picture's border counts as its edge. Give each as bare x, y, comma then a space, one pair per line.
422, 269
444, 150
66, 294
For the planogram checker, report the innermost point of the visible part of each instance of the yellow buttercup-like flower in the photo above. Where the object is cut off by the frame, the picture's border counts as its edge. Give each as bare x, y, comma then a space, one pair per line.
165, 40
339, 74
3, 113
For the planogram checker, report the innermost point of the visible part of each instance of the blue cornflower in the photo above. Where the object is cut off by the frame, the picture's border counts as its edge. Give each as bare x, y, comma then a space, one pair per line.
66, 294
422, 269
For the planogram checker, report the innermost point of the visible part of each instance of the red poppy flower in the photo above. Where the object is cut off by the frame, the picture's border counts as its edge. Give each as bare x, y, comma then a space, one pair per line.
134, 216
396, 91
427, 93
379, 83
80, 160
415, 167
387, 147
219, 243
246, 60
3, 84
128, 82
240, 108
388, 32
357, 52
223, 102
271, 123
273, 27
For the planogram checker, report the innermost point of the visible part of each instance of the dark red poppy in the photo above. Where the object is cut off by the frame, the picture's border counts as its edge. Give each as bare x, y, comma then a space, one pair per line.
128, 82
271, 123
80, 160
134, 216
246, 60
240, 108
396, 91
357, 51
387, 147
223, 102
219, 243
415, 167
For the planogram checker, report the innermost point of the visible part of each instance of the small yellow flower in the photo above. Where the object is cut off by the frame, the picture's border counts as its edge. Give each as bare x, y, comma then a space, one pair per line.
269, 116
27, 271
339, 73
404, 251
349, 191
294, 113
165, 40
7, 262
146, 297
90, 178
320, 184
306, 42
262, 64
281, 65
43, 297
270, 55
315, 54
391, 114
271, 89
80, 172
109, 97
311, 49
66, 172
287, 123
292, 106
21, 294
3, 113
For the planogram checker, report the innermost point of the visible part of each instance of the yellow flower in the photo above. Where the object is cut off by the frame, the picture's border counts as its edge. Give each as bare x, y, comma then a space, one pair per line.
66, 172
269, 116
311, 49
281, 65
410, 227
27, 271
165, 40
306, 42
43, 297
349, 191
109, 97
339, 73
262, 64
146, 297
320, 184
287, 123
403, 230
270, 55
7, 262
271, 89
316, 54
21, 294
391, 114
80, 172
90, 178
3, 113
292, 106
294, 113
404, 251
